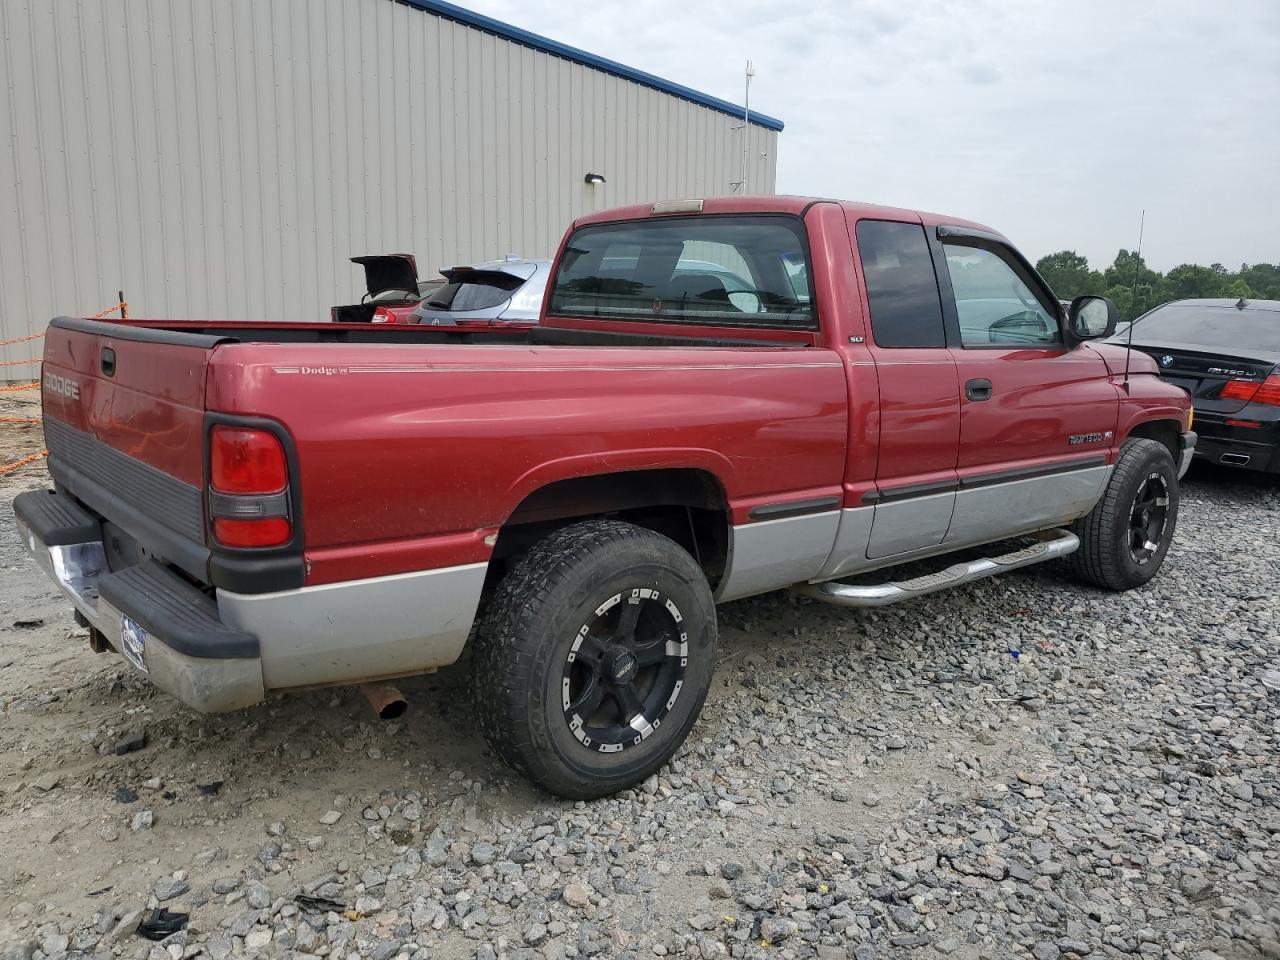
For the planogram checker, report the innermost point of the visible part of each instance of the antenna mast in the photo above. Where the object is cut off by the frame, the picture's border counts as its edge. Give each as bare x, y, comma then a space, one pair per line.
1133, 298
746, 126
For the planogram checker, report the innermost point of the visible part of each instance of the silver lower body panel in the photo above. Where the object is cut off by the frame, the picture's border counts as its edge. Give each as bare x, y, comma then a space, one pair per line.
780, 553
984, 514
772, 554
359, 630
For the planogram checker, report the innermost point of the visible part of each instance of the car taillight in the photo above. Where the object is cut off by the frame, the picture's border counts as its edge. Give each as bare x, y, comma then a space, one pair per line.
248, 487
1253, 391
1269, 392
245, 460
268, 532
383, 315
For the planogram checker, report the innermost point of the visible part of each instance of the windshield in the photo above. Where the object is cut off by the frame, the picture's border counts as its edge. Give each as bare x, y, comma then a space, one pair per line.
473, 291
1215, 327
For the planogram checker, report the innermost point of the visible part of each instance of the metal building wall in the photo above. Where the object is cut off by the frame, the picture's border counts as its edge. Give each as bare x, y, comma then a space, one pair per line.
224, 158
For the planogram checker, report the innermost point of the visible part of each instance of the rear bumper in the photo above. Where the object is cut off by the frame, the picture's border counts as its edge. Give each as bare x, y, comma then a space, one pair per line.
184, 648
1253, 448
223, 652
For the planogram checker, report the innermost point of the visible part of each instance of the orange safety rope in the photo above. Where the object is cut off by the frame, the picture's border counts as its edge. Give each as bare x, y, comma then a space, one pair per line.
122, 305
8, 468
34, 336
21, 386
19, 419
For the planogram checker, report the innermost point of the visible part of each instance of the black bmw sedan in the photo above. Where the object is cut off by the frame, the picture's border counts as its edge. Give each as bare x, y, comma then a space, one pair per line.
1226, 354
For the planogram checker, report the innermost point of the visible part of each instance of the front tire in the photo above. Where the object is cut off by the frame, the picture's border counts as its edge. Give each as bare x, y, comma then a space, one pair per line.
594, 657
1124, 538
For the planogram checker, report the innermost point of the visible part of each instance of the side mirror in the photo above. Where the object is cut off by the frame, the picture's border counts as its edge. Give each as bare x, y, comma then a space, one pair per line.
1091, 318
748, 301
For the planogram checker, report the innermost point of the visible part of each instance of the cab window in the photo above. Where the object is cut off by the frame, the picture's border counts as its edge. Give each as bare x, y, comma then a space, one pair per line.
902, 289
996, 306
717, 270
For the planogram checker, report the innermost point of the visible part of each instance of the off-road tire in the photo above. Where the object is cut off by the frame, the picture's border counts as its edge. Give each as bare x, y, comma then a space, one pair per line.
1104, 558
529, 628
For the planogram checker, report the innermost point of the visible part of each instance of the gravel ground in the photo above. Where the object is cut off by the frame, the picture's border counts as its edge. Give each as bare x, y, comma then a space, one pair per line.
1020, 768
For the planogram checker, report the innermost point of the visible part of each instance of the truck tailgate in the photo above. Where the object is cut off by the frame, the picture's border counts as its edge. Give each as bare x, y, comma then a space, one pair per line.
124, 423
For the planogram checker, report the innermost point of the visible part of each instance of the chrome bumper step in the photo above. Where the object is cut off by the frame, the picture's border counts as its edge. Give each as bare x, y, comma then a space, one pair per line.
1052, 544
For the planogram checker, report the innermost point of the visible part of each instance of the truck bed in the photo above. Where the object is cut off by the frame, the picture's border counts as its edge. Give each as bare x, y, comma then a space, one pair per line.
438, 448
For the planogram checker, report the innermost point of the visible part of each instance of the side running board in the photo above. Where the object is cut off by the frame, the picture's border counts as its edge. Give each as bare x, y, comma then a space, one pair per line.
1053, 544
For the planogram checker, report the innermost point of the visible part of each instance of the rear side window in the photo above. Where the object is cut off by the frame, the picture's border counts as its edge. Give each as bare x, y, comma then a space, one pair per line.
726, 271
477, 291
906, 310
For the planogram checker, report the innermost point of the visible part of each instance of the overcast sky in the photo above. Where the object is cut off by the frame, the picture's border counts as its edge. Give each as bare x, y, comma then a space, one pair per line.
1053, 122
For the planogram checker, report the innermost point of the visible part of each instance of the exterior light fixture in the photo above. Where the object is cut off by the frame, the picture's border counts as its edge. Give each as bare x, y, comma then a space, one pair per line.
593, 178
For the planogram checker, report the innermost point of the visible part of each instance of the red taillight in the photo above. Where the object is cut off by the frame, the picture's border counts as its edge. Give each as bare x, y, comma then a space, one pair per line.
244, 460
383, 315
1269, 392
268, 532
1238, 390
248, 488
1253, 391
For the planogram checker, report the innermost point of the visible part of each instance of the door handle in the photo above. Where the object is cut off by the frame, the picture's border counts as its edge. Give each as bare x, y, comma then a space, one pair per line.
108, 362
978, 389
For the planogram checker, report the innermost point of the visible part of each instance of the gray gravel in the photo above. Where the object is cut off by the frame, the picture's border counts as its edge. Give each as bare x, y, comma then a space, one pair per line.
1022, 768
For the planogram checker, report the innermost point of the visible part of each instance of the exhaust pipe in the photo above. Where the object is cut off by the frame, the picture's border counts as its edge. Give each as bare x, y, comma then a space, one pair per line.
1239, 459
387, 701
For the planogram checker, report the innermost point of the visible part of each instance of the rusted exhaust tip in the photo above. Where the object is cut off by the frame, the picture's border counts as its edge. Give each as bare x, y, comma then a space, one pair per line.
387, 701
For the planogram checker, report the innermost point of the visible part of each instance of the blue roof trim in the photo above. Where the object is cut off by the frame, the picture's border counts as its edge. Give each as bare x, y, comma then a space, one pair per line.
507, 31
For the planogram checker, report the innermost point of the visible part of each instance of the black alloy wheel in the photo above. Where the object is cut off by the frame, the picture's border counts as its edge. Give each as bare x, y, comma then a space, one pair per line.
1148, 517
594, 656
1125, 537
624, 670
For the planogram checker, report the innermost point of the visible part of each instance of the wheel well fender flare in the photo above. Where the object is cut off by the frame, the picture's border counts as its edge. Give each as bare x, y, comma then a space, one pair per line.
1161, 428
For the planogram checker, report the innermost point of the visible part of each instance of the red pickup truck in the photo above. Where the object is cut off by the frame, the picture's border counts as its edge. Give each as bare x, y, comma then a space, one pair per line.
241, 508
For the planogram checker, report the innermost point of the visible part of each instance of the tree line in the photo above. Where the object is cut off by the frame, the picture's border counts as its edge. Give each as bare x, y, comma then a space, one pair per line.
1136, 288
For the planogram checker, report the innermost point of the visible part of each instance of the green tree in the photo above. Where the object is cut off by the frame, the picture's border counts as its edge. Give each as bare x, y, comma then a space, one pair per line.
1129, 268
1136, 288
1263, 279
1132, 302
1068, 273
1193, 280
1238, 288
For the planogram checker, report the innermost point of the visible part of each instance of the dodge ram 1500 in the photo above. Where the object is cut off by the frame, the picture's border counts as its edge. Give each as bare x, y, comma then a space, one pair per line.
835, 389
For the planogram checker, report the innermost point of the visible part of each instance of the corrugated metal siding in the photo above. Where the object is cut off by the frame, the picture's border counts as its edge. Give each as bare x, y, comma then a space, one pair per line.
224, 158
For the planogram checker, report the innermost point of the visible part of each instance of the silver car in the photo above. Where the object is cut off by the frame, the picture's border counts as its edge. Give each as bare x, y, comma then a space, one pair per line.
500, 291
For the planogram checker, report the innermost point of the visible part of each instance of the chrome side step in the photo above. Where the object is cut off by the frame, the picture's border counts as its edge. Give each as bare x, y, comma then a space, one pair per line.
1053, 544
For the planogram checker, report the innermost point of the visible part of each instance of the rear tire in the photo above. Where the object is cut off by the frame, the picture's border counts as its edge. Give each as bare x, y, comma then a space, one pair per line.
1124, 538
594, 657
